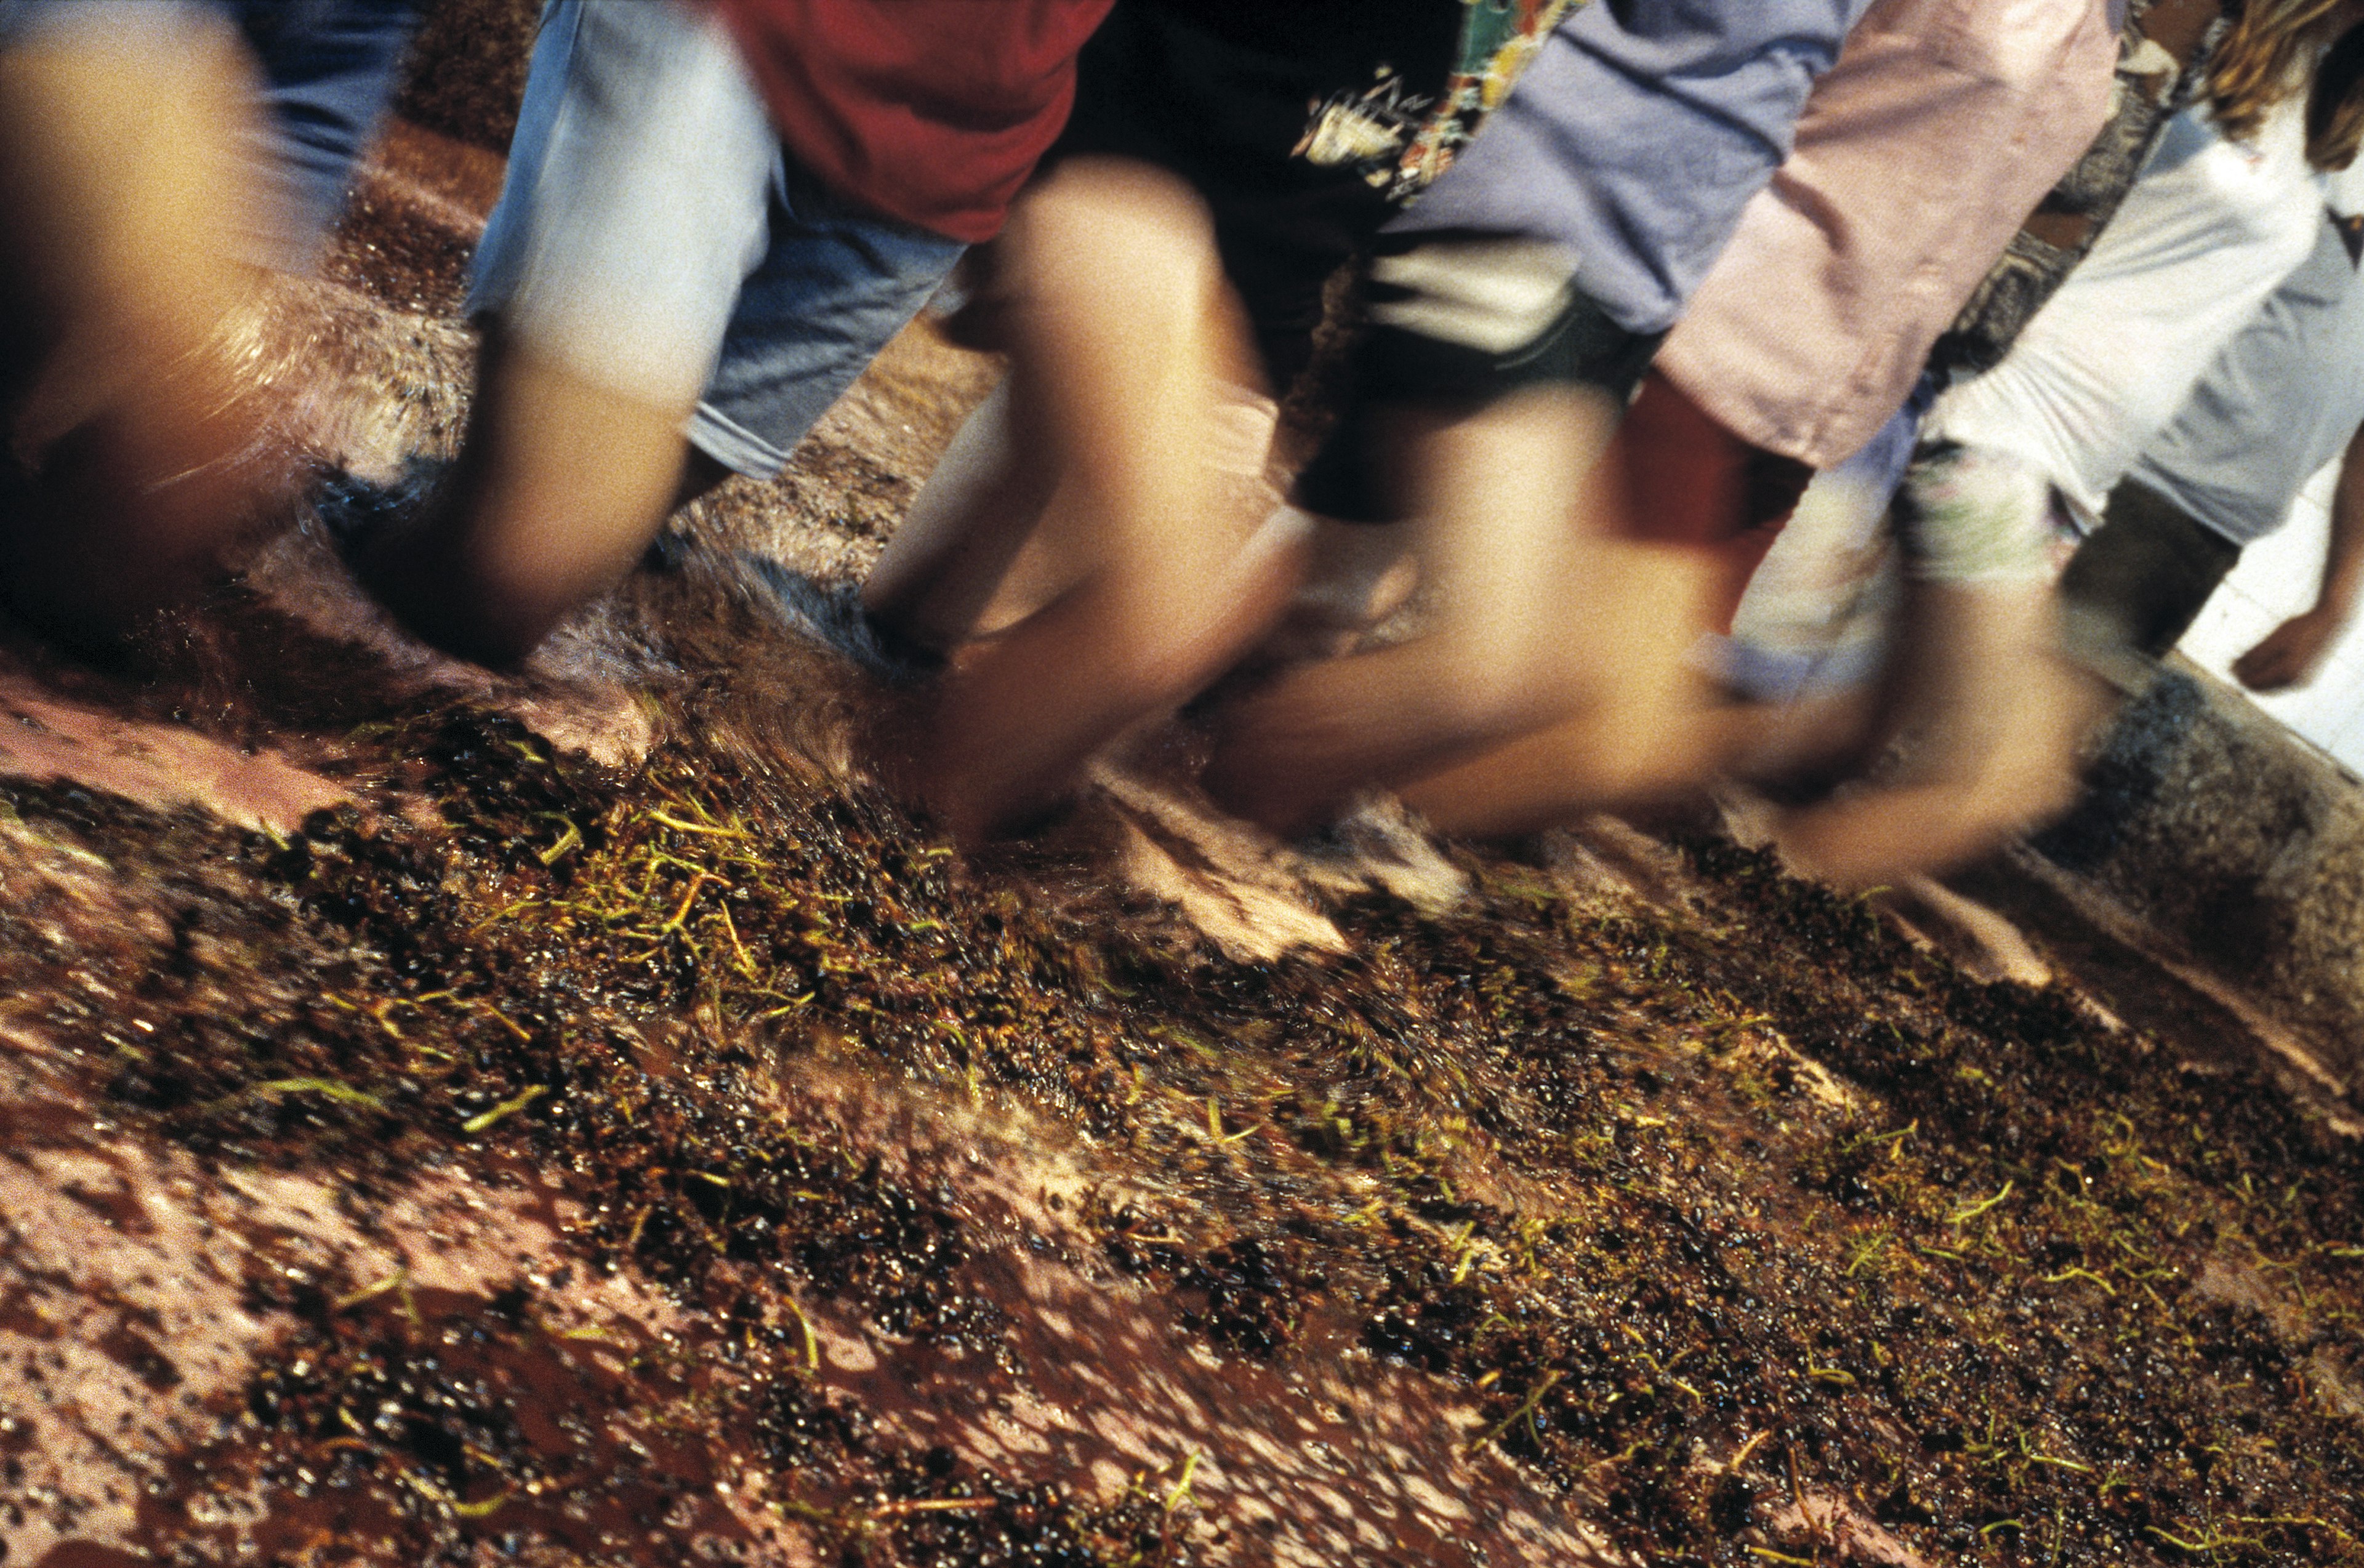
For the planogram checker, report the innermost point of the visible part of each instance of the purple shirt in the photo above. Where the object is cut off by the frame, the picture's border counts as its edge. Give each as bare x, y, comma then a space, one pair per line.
1635, 139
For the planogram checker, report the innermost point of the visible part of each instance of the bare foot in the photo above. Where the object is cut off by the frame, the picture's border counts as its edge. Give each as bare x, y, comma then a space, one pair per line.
1988, 717
1019, 718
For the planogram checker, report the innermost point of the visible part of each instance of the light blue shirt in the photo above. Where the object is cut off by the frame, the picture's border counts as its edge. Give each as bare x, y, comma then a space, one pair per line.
1635, 139
2284, 397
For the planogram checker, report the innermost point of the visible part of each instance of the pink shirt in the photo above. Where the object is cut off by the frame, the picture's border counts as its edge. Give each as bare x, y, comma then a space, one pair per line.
1920, 154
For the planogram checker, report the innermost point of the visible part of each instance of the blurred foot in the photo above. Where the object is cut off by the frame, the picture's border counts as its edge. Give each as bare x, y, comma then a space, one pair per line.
834, 617
1361, 575
360, 515
1985, 716
1020, 717
114, 531
1643, 726
1495, 735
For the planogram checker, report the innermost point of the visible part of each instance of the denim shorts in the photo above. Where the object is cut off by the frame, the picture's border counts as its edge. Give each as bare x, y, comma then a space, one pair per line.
654, 237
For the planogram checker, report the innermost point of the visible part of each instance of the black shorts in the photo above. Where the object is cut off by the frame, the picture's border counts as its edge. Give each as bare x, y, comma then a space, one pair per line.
1219, 93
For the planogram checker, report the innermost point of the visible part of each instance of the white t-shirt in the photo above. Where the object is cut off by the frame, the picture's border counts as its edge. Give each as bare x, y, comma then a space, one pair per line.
2207, 232
2284, 397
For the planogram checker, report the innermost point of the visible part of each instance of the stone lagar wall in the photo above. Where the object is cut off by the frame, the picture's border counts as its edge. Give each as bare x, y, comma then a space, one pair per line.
2222, 829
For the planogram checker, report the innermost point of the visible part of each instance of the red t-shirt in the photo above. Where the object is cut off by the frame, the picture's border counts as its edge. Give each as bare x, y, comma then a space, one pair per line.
933, 111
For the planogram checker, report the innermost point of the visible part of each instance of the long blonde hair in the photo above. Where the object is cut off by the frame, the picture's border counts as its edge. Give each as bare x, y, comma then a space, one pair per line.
2266, 55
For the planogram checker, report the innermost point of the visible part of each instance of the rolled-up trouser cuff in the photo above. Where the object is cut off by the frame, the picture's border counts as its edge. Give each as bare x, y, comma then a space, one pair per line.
654, 237
1396, 366
1973, 514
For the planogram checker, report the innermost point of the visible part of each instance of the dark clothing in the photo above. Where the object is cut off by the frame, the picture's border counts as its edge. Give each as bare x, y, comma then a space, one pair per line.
1304, 124
1394, 369
2141, 579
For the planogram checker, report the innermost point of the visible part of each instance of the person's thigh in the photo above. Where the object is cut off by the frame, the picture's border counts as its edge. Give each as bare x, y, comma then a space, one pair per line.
635, 199
835, 282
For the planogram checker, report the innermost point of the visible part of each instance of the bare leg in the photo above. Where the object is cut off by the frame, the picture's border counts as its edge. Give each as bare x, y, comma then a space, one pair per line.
953, 556
130, 197
560, 485
1990, 717
1357, 575
1117, 389
1819, 736
1495, 496
1983, 708
1646, 726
